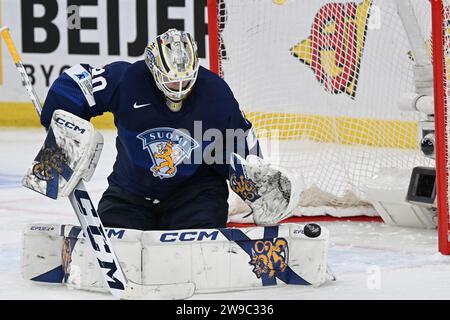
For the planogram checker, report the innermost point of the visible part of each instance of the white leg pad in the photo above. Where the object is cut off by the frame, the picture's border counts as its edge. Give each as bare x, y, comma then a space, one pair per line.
214, 263
214, 259
53, 253
41, 253
83, 271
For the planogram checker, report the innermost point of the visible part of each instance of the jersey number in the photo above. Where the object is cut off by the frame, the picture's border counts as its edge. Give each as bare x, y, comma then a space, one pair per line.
98, 83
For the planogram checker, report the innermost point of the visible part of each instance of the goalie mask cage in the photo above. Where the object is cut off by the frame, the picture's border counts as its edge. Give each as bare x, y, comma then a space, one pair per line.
323, 79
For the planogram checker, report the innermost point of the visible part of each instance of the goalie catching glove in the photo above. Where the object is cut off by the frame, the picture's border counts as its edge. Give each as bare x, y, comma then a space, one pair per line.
71, 152
271, 192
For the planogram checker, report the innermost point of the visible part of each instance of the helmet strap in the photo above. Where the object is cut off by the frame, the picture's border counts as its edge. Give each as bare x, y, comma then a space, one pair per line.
174, 106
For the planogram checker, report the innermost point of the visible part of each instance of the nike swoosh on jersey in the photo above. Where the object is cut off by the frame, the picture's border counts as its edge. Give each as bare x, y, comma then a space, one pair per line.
137, 106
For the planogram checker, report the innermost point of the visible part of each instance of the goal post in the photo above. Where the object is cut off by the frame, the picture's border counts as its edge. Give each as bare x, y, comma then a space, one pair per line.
213, 35
440, 30
333, 82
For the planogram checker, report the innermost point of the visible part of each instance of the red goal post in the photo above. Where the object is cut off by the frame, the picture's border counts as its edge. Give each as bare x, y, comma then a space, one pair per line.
440, 27
213, 34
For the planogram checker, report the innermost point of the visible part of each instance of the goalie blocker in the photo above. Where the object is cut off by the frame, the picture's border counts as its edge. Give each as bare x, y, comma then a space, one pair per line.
213, 259
70, 153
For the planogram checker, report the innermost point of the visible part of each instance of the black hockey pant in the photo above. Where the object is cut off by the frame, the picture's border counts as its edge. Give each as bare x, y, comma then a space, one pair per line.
198, 206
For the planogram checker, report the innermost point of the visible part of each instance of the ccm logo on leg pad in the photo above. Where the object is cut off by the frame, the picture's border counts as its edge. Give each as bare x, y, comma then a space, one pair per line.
188, 236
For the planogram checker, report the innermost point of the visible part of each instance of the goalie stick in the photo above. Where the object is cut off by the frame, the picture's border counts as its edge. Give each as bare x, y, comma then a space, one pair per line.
93, 228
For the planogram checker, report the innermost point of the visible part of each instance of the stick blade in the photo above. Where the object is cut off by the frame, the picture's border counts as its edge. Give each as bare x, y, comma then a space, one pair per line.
173, 291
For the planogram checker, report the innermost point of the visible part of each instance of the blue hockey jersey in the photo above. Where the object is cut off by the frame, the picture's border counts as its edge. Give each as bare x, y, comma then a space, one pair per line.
158, 151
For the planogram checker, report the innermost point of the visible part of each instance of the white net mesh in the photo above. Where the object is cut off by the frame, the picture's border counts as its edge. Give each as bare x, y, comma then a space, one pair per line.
321, 80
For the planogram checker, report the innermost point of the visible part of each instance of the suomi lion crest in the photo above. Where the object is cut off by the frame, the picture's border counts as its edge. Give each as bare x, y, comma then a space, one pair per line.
168, 147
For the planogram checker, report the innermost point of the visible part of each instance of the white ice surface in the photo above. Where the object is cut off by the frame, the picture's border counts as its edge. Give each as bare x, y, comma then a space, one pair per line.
407, 259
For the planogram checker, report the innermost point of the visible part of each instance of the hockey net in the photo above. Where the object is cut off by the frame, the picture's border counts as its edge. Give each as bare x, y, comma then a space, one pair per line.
321, 82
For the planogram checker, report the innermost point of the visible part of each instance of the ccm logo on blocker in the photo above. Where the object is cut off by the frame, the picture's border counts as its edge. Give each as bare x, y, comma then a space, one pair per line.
70, 125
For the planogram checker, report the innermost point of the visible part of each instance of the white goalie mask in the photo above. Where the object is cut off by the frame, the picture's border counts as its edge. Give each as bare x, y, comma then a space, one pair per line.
173, 61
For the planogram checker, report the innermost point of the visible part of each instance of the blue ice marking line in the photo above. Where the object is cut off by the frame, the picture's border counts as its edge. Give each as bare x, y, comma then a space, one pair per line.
10, 180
